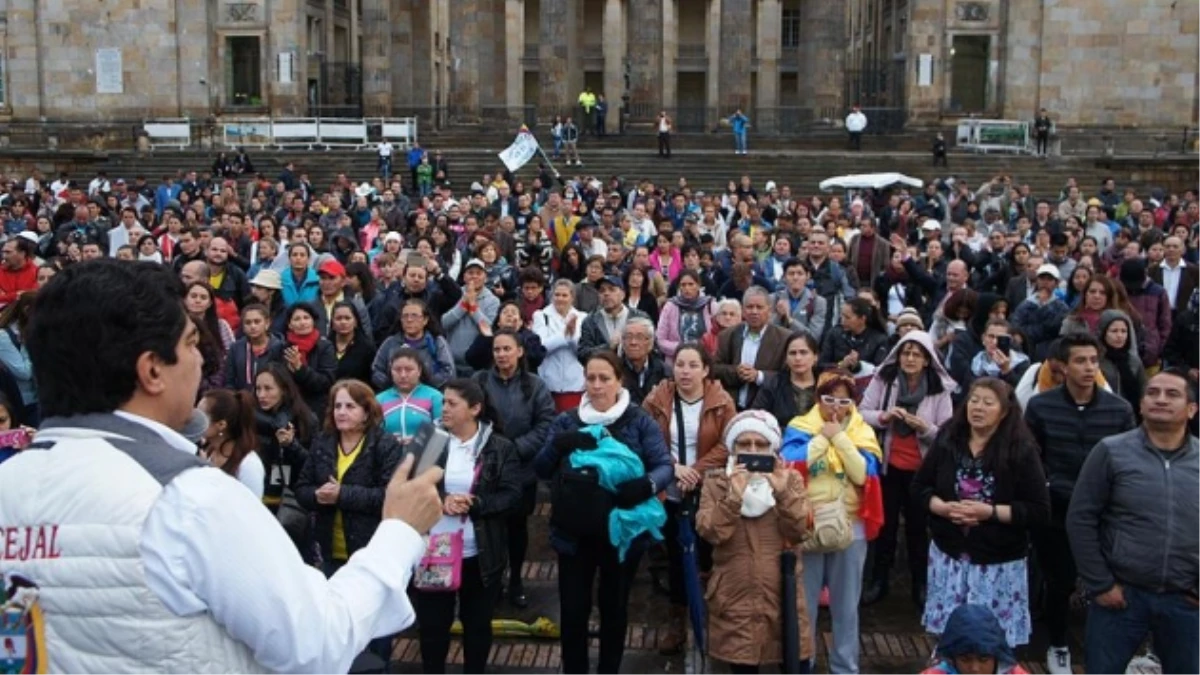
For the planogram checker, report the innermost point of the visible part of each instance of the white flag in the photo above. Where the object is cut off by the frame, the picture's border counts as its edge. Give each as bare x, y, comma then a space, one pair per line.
521, 151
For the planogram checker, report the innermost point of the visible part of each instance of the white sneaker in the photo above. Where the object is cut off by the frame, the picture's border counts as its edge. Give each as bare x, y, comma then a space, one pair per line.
1058, 661
1146, 663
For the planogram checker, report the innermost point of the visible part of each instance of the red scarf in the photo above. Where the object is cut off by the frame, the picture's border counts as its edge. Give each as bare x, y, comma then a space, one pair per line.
303, 343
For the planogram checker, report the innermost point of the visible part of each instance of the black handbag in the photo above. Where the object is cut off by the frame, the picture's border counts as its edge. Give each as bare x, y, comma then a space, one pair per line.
579, 506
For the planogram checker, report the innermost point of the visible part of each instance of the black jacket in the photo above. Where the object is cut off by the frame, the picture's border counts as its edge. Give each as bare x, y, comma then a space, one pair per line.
871, 345
1020, 484
316, 377
362, 488
440, 296
287, 461
497, 496
1066, 433
356, 362
777, 396
240, 377
640, 384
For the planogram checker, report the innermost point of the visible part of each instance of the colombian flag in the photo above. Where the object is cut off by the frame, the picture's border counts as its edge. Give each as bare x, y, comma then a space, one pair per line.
804, 428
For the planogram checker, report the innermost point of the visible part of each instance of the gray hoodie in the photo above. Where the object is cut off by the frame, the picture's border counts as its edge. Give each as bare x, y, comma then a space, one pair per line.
462, 327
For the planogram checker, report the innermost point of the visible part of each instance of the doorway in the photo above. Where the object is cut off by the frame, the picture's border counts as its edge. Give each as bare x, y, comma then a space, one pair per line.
969, 73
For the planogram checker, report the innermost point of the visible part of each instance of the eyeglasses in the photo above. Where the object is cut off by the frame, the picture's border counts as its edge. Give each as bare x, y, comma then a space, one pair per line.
834, 400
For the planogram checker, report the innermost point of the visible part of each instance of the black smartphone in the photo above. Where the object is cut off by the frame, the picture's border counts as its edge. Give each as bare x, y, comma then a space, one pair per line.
429, 446
757, 463
1004, 344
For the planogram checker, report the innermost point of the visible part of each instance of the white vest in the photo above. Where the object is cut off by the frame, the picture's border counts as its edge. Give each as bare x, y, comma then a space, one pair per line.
88, 496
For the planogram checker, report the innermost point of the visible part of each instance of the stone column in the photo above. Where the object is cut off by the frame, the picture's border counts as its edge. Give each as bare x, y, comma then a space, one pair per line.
354, 29
713, 49
514, 44
284, 35
770, 19
1024, 46
925, 20
670, 52
329, 39
376, 56
466, 33
558, 58
823, 55
737, 40
645, 58
614, 62
402, 67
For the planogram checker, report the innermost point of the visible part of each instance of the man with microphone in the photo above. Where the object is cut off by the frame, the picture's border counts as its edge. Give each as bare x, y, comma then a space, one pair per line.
145, 558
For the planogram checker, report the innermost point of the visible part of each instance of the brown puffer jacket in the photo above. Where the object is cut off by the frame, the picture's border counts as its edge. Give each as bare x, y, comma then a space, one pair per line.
744, 592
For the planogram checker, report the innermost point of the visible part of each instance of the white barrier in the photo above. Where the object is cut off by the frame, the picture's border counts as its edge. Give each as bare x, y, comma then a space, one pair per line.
993, 136
295, 132
306, 132
169, 133
342, 133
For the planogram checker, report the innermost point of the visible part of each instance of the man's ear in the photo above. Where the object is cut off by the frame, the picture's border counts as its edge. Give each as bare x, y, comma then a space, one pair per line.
150, 374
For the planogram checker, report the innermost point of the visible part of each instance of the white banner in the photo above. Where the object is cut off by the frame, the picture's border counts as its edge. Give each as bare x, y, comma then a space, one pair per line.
109, 75
520, 152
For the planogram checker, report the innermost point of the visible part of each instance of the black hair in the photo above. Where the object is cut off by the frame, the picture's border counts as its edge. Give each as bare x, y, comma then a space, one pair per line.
1072, 340
1058, 239
120, 310
1189, 384
236, 410
475, 395
305, 307
414, 356
705, 357
360, 333
1010, 434
933, 383
433, 325
610, 357
795, 262
366, 280
863, 307
526, 380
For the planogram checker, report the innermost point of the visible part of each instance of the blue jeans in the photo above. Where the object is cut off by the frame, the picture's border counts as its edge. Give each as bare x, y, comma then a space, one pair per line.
739, 141
1114, 635
385, 168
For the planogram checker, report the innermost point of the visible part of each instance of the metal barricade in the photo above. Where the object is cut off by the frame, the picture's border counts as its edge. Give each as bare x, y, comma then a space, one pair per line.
296, 132
168, 133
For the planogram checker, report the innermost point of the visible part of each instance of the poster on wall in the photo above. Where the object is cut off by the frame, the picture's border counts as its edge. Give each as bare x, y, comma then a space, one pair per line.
286, 74
109, 78
925, 70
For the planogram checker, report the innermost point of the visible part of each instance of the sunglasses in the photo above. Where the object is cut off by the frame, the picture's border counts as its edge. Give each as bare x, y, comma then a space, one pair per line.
834, 400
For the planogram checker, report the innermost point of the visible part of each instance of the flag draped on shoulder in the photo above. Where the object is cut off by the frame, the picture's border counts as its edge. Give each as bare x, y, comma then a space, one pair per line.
797, 443
523, 148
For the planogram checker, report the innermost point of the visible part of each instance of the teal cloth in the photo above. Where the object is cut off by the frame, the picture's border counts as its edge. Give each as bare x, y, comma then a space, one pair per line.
616, 463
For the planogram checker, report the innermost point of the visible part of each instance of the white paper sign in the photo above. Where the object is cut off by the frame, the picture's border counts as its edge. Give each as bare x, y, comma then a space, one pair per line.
109, 78
285, 68
925, 70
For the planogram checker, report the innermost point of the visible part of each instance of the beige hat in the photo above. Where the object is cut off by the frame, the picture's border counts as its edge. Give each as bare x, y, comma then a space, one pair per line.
267, 279
909, 317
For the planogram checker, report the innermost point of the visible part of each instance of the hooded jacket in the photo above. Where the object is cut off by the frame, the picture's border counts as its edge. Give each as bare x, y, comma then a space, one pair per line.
1127, 361
973, 629
936, 408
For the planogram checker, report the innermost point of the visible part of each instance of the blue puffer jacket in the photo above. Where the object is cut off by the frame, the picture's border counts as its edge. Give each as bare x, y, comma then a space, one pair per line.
637, 430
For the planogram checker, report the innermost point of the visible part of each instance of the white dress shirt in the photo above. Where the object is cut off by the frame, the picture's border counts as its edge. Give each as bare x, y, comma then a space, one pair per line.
461, 458
210, 546
1171, 277
750, 344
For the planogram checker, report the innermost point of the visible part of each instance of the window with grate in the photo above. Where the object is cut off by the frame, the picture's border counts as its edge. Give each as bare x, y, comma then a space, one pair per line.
791, 28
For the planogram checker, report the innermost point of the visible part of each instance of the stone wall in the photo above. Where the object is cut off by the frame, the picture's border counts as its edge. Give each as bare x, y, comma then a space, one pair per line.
1117, 62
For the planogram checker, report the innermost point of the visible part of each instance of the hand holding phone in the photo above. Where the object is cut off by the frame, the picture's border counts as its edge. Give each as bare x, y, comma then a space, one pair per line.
756, 463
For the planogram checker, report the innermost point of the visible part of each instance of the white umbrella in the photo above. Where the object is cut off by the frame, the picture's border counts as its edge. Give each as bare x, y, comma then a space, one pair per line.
861, 181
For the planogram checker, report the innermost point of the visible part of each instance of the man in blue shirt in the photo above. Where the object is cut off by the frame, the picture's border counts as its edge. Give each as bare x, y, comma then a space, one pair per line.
739, 122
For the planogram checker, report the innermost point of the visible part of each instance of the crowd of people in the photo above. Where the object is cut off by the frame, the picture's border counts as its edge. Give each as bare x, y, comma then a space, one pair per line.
1007, 378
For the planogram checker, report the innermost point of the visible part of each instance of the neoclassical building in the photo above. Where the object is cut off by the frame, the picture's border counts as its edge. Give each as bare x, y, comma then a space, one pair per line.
785, 62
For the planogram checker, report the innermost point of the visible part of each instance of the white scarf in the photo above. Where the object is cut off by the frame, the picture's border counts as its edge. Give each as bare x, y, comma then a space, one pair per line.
589, 415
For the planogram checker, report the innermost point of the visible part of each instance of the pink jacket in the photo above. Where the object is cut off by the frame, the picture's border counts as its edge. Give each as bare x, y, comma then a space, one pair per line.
667, 334
673, 268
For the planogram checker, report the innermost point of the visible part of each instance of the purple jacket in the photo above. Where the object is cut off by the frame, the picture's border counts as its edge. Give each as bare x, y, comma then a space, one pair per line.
934, 408
1154, 306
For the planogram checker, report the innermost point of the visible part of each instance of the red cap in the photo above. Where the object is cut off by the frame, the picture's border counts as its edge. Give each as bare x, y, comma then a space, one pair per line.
332, 267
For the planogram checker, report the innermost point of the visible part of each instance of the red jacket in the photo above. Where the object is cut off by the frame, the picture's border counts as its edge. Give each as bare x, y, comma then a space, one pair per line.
15, 282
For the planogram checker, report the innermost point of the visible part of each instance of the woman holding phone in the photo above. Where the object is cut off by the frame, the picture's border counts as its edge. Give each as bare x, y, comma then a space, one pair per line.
750, 515
482, 487
907, 401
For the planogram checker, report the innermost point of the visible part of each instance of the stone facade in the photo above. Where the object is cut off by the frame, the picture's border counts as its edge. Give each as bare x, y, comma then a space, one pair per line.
1088, 62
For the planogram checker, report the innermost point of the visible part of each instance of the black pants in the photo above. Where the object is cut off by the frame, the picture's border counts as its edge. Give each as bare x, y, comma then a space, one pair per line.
664, 144
435, 612
856, 140
1058, 574
518, 533
742, 669
940, 158
896, 499
576, 578
675, 583
601, 121
1043, 140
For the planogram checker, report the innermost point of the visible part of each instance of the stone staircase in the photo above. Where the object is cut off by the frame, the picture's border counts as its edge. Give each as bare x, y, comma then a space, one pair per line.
705, 168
